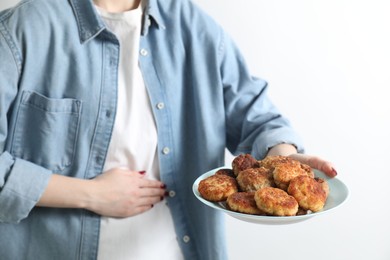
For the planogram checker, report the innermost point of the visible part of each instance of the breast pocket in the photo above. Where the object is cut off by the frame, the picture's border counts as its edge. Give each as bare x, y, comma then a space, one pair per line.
46, 130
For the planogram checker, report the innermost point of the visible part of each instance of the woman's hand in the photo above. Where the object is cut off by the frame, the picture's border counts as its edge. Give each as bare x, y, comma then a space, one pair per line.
116, 193
124, 193
313, 161
316, 163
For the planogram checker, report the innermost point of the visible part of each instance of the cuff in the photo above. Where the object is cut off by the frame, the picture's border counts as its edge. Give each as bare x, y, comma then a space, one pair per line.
23, 185
277, 136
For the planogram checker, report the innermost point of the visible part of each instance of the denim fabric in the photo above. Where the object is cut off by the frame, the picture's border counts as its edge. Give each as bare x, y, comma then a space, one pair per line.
58, 92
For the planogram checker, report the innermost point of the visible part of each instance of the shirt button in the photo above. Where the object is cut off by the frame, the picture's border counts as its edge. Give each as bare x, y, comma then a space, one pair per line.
160, 105
166, 150
172, 193
186, 239
144, 52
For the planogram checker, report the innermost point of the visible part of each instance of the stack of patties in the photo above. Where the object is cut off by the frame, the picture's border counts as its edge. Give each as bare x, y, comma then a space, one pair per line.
275, 186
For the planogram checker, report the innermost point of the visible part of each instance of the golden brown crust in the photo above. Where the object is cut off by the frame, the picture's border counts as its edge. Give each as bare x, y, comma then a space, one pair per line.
309, 193
217, 187
255, 178
308, 170
271, 162
276, 202
243, 162
324, 185
284, 172
243, 202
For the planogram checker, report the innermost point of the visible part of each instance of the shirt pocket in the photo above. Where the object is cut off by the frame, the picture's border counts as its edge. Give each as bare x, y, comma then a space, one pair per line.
46, 130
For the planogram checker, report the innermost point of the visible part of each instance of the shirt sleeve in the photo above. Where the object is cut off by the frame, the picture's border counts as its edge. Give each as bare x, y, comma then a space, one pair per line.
253, 123
21, 183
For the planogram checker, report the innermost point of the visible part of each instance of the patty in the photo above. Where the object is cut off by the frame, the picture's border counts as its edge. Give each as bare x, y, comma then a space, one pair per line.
243, 162
309, 192
217, 187
276, 202
271, 162
283, 173
243, 202
255, 178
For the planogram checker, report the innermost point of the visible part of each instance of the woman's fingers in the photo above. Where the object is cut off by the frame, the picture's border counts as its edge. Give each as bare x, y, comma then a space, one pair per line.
147, 183
316, 163
124, 193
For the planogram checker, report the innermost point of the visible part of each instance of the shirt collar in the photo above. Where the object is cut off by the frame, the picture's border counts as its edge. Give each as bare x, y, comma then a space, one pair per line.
90, 24
151, 16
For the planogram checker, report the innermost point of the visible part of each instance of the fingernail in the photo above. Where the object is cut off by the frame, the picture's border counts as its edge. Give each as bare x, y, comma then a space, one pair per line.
152, 206
163, 186
161, 198
334, 172
142, 172
166, 194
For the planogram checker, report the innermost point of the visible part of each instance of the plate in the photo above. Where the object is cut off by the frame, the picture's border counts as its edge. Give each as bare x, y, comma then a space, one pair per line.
338, 194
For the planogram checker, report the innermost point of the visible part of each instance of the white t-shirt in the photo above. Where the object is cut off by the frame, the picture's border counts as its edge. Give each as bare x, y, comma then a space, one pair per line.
133, 145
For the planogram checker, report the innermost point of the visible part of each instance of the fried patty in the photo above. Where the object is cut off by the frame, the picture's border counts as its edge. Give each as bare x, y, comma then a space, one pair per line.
284, 172
243, 202
255, 178
276, 202
217, 187
243, 162
309, 192
286, 169
271, 162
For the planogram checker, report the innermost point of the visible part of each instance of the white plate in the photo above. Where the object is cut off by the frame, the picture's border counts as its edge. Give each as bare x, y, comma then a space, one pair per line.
337, 196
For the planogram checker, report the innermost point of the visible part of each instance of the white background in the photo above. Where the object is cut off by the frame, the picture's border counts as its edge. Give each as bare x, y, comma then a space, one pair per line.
327, 64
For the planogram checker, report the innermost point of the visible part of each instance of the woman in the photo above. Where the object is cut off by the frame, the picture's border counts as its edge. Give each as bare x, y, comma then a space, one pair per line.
109, 107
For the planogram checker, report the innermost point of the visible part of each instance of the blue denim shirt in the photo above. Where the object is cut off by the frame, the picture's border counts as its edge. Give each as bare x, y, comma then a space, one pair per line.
58, 93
